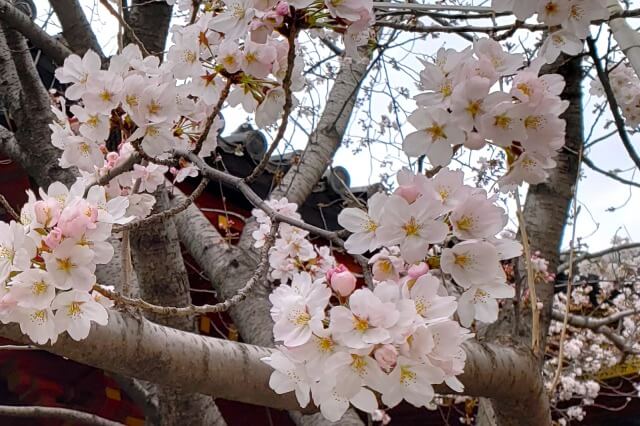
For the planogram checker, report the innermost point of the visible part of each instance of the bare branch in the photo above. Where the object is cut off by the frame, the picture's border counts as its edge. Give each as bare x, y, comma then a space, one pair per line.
160, 216
288, 104
241, 294
8, 208
17, 20
595, 255
127, 28
64, 414
609, 174
212, 117
234, 371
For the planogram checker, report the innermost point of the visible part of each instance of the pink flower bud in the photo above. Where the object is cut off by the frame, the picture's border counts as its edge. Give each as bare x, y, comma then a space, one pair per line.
408, 192
53, 239
282, 8
386, 356
342, 281
416, 271
47, 212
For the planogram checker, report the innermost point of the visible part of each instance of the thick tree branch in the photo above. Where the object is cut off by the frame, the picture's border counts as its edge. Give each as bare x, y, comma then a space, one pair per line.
231, 370
17, 20
50, 413
76, 29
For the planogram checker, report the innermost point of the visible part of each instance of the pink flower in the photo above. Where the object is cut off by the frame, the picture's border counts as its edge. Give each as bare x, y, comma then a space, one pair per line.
416, 271
342, 280
282, 8
386, 356
54, 238
47, 211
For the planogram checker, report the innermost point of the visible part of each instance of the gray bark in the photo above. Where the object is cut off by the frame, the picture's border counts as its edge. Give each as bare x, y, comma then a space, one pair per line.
76, 29
162, 280
229, 268
546, 213
29, 106
150, 22
136, 347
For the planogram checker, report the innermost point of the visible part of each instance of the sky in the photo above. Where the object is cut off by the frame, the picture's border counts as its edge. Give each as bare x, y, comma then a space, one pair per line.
607, 208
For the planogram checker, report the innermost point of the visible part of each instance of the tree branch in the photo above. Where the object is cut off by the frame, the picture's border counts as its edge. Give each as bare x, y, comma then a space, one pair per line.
17, 20
233, 370
76, 29
564, 266
609, 174
49, 413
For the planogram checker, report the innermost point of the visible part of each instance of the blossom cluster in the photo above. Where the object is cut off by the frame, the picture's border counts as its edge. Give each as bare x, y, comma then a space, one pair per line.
292, 251
568, 21
436, 269
48, 260
626, 89
603, 287
460, 107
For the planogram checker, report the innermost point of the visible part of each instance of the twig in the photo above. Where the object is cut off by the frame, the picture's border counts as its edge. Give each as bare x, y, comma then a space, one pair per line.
121, 168
124, 25
157, 217
5, 204
288, 104
57, 413
212, 117
563, 332
611, 175
239, 296
535, 312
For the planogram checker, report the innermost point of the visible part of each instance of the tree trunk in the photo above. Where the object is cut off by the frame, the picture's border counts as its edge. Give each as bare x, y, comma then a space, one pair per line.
162, 279
546, 213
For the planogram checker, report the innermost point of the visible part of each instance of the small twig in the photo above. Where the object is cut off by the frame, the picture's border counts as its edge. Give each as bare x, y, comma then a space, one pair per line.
212, 117
126, 26
611, 175
157, 217
239, 296
5, 204
563, 332
288, 104
121, 168
535, 312
57, 413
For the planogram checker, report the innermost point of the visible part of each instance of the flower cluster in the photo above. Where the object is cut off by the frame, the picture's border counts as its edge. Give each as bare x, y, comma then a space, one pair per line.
47, 261
436, 255
626, 89
292, 252
459, 107
604, 287
568, 21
